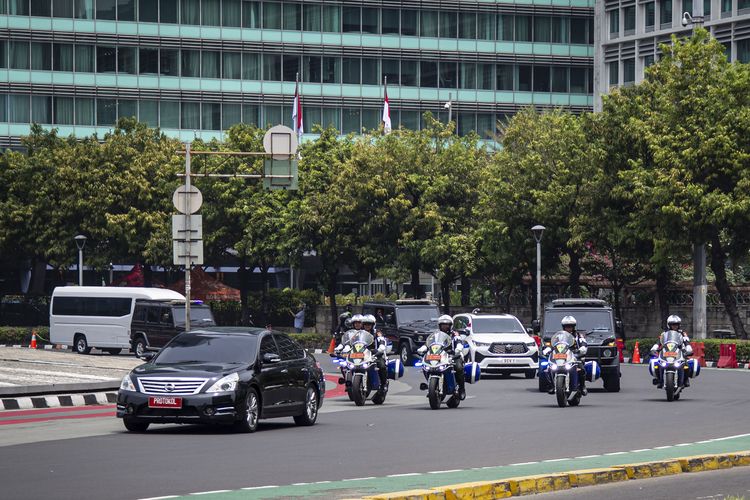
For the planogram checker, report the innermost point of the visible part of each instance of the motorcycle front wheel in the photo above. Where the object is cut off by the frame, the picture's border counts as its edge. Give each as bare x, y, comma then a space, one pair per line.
433, 394
669, 385
359, 391
562, 401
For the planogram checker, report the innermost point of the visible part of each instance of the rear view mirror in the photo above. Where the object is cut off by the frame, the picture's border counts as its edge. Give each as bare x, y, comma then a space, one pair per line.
271, 358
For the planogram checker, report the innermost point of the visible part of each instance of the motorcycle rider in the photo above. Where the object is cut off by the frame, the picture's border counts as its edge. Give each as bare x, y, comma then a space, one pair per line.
381, 348
355, 323
344, 325
673, 323
568, 324
445, 324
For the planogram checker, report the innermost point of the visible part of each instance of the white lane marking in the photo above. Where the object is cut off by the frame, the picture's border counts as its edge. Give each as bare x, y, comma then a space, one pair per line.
210, 492
731, 437
444, 471
663, 447
615, 453
259, 487
160, 498
589, 456
683, 444
300, 484
322, 482
524, 463
704, 442
555, 460
405, 475
359, 478
639, 451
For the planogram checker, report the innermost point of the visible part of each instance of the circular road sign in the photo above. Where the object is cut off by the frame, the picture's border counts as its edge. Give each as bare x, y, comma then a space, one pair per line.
187, 202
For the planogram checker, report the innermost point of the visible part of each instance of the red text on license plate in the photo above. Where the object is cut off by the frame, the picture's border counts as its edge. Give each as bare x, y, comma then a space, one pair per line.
164, 402
560, 355
433, 357
670, 354
357, 355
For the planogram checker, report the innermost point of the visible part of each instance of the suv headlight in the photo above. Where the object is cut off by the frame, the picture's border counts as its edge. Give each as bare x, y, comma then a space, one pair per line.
225, 384
531, 343
127, 384
482, 344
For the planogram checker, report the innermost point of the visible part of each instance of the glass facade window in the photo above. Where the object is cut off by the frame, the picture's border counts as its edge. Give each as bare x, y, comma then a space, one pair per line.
579, 30
41, 8
578, 80
541, 78
560, 30
62, 57
350, 121
665, 14
106, 59
467, 75
485, 74
126, 60
190, 115
428, 23
18, 7
370, 20
211, 12
687, 6
311, 18
85, 111
485, 26
351, 20
648, 61
743, 51
231, 65
61, 8
542, 29
251, 66
85, 58
743, 5
41, 56
505, 77
614, 73
126, 10
251, 15
428, 73
148, 11
390, 70
650, 15
331, 70
271, 15
505, 27
106, 9
628, 71
614, 23
448, 24
523, 77
210, 64
19, 108
169, 114
707, 8
292, 16
629, 20
272, 115
127, 108
523, 28
350, 68
251, 114
41, 109
231, 114
311, 69
148, 112
148, 60
168, 11
106, 112
391, 21
726, 7
448, 75
63, 111
332, 18
169, 62
211, 116
272, 67
19, 55
371, 72
409, 76
467, 25
83, 9
190, 12
191, 63
290, 67
409, 22
559, 79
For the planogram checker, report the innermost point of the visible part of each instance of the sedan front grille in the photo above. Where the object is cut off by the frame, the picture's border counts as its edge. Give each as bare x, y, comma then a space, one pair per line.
171, 385
509, 348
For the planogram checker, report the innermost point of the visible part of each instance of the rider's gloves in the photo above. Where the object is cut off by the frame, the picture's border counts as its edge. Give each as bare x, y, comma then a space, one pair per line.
422, 349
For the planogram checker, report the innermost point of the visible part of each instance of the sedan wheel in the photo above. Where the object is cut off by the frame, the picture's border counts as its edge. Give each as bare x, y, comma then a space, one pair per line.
311, 408
252, 413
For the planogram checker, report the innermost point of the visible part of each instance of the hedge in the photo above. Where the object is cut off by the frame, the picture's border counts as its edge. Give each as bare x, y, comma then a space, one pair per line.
711, 347
312, 340
22, 334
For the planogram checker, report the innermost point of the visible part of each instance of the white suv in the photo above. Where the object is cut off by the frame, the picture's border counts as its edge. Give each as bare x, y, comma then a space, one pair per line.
499, 343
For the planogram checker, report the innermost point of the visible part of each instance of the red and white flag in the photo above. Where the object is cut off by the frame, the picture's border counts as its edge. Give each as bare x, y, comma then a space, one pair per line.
297, 124
386, 114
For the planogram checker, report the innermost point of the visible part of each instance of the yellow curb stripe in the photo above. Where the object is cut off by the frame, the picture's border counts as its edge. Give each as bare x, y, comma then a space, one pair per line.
528, 485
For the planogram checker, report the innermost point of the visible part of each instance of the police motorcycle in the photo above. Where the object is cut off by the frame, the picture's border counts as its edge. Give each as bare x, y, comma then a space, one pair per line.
362, 369
562, 368
339, 356
670, 366
439, 369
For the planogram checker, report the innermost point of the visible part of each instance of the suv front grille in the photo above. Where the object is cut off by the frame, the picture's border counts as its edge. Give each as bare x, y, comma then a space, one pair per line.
509, 348
171, 385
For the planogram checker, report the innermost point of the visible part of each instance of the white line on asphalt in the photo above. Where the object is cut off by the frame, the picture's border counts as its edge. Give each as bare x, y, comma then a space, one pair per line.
589, 456
704, 442
444, 471
639, 451
683, 444
160, 498
210, 492
615, 453
731, 437
405, 475
259, 487
323, 482
524, 463
663, 447
300, 484
555, 460
359, 478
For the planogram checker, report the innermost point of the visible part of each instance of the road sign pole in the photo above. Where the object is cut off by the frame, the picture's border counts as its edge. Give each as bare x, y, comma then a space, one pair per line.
188, 233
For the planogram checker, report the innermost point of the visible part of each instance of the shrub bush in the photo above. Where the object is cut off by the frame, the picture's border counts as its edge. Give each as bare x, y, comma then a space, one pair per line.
280, 302
22, 334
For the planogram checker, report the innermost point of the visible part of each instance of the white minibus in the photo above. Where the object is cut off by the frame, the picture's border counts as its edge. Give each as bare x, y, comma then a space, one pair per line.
98, 316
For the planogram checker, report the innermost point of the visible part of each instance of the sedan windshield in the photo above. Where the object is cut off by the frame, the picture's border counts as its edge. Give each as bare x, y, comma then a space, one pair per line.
412, 314
208, 348
199, 316
586, 321
496, 325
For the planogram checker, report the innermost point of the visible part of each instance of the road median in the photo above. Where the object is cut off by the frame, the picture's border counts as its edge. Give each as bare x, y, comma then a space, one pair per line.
545, 483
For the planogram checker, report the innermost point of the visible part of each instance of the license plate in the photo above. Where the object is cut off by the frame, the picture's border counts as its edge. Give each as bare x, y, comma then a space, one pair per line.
164, 402
560, 355
433, 357
357, 355
670, 354
512, 361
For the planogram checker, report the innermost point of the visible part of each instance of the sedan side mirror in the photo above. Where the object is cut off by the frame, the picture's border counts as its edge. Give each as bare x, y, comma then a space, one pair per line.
148, 356
535, 326
271, 358
530, 331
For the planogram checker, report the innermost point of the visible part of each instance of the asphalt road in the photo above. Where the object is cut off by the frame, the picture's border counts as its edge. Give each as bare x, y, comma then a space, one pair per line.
504, 422
715, 485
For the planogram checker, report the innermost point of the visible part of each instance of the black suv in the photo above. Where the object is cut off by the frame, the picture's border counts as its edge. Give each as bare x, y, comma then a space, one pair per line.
157, 322
406, 323
596, 320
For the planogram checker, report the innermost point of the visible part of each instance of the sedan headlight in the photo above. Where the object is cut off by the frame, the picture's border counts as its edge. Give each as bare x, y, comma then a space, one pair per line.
127, 384
225, 384
531, 344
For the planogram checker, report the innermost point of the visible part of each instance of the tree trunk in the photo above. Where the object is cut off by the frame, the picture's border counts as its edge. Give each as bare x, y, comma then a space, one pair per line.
332, 279
416, 288
465, 291
445, 291
148, 275
718, 261
662, 293
575, 274
38, 277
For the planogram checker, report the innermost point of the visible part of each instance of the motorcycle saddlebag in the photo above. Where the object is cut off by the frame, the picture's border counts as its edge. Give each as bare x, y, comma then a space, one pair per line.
651, 365
694, 368
593, 371
395, 369
472, 372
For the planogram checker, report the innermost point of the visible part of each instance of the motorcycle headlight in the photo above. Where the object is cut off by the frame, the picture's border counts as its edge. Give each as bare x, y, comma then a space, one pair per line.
127, 384
670, 359
225, 384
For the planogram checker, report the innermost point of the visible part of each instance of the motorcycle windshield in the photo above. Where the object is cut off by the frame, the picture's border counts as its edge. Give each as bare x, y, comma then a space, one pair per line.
441, 338
563, 337
346, 338
363, 337
671, 337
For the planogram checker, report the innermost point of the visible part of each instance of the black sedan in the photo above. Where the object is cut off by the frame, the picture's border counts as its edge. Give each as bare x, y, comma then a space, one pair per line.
223, 375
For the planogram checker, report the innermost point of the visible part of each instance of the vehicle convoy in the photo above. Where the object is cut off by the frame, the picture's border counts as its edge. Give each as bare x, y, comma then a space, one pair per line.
595, 319
499, 343
101, 317
439, 369
223, 375
405, 323
156, 322
564, 369
670, 367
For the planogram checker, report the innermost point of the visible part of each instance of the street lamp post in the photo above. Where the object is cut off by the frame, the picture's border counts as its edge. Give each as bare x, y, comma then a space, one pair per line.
538, 230
80, 243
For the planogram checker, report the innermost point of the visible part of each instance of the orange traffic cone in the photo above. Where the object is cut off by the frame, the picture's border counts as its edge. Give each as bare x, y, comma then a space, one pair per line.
636, 354
332, 346
33, 340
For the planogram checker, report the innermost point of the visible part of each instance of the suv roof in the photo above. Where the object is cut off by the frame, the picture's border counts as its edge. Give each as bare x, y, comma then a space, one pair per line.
578, 303
488, 315
402, 302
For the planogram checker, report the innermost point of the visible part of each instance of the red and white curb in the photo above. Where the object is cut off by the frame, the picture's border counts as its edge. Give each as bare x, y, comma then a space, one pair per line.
58, 401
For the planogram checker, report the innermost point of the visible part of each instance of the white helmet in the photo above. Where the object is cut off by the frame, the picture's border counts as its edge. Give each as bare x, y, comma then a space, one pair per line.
568, 321
357, 318
445, 319
674, 320
368, 318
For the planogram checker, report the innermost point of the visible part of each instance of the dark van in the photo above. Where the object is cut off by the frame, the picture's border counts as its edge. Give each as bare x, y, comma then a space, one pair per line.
156, 322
